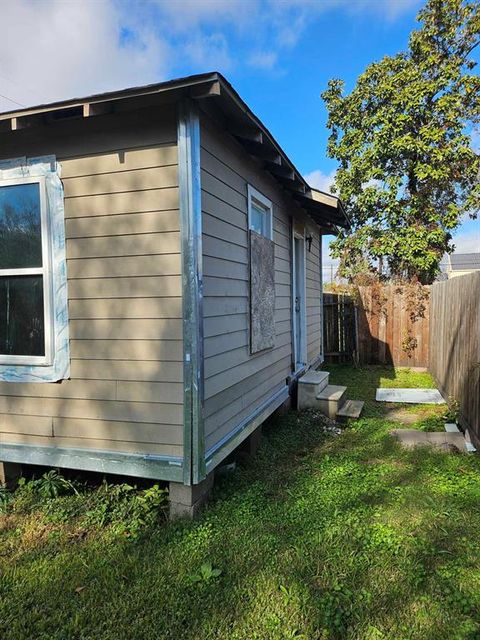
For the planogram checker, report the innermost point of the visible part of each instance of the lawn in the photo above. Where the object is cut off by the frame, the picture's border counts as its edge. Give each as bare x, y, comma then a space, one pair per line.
319, 536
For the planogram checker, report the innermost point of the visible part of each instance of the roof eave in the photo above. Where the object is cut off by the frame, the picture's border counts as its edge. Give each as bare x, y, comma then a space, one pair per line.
242, 122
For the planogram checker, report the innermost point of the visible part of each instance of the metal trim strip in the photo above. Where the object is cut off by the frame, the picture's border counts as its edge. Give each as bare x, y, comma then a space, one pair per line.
192, 287
228, 443
139, 465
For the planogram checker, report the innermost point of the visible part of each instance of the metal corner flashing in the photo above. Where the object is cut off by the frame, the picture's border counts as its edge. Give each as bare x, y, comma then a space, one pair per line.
247, 426
194, 469
140, 465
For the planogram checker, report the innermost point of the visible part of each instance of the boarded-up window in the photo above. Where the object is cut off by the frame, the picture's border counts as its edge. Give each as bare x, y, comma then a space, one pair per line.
262, 292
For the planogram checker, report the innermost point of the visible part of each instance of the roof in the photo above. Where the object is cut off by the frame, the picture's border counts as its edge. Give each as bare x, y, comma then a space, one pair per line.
215, 95
464, 261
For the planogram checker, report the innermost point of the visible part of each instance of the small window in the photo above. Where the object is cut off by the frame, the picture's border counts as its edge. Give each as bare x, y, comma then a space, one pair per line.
259, 213
33, 301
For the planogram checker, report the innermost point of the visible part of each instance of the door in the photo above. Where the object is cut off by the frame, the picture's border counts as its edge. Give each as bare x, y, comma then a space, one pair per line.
299, 302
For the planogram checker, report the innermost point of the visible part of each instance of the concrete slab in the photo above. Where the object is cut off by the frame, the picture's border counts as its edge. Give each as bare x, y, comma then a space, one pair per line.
451, 427
410, 437
437, 438
469, 446
457, 439
413, 438
445, 440
410, 396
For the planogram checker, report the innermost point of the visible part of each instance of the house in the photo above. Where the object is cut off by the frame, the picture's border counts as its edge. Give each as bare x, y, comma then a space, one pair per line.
160, 281
458, 264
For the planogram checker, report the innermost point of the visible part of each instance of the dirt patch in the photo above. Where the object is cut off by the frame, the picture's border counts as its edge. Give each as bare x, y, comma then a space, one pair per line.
404, 416
7, 523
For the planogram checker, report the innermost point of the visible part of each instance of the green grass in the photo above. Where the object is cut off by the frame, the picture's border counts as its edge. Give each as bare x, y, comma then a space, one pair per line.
317, 537
363, 382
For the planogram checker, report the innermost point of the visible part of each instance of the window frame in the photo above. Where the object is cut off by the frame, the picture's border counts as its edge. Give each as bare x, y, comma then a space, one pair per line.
255, 197
55, 365
44, 271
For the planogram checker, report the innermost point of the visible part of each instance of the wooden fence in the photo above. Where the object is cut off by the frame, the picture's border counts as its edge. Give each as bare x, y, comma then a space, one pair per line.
378, 325
339, 327
393, 325
455, 345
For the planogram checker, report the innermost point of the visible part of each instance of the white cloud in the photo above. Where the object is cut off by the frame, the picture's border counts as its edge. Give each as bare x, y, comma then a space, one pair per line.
263, 59
321, 181
183, 15
53, 50
467, 242
208, 52
292, 16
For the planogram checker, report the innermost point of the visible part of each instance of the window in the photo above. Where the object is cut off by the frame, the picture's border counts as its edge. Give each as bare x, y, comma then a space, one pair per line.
259, 213
33, 300
24, 279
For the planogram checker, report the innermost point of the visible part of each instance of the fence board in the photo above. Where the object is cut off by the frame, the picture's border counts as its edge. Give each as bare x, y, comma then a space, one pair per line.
385, 323
339, 327
455, 345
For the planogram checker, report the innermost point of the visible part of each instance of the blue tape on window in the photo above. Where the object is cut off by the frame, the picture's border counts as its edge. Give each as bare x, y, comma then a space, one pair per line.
49, 169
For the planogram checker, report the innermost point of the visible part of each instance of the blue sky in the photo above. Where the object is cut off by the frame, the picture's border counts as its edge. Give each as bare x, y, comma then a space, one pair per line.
278, 54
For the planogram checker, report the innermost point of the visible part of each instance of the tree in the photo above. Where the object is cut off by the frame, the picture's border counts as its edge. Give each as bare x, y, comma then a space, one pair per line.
408, 172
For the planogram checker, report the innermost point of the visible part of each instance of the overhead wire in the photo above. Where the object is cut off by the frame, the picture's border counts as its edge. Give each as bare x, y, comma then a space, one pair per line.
11, 100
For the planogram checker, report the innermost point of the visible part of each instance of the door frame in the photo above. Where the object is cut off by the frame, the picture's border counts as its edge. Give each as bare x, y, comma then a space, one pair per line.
300, 357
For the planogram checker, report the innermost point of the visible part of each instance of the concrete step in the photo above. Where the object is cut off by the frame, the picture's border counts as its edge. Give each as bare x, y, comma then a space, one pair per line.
309, 385
330, 400
350, 409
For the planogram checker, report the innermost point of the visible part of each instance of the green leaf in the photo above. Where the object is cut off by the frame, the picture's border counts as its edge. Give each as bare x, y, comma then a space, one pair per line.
407, 126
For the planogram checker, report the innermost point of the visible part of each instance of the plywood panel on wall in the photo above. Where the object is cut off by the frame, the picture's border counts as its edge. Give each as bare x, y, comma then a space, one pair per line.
262, 293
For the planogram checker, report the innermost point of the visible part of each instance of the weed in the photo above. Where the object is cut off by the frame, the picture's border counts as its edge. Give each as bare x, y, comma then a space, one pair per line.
206, 574
431, 423
121, 504
52, 484
5, 498
453, 412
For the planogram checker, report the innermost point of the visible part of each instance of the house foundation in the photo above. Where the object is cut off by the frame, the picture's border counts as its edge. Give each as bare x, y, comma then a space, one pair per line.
9, 473
187, 501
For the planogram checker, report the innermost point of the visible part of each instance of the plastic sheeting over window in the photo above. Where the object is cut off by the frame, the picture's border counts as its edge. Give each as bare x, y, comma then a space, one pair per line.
34, 344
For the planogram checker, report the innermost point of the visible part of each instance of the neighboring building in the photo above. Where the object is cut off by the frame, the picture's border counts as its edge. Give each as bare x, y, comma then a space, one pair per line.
160, 281
458, 264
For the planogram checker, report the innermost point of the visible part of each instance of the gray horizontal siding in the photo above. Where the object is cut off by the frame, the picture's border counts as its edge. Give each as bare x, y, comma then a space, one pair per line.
314, 296
120, 179
235, 381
